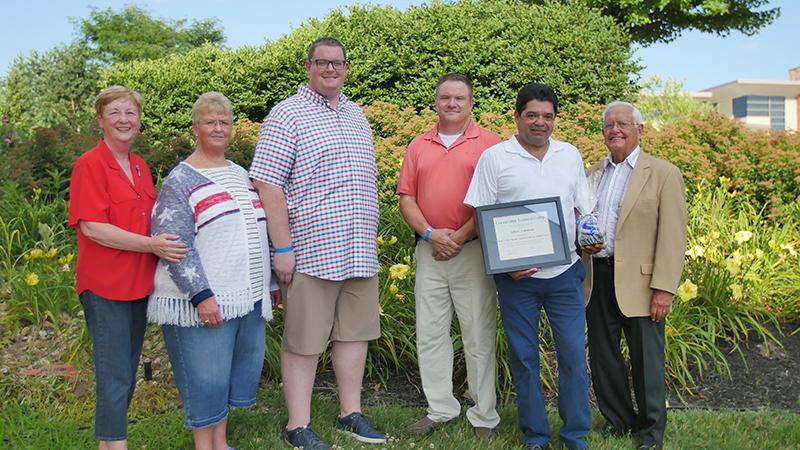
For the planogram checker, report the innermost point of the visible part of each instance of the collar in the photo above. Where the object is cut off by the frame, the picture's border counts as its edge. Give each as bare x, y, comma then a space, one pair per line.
108, 156
513, 146
314, 97
471, 132
631, 159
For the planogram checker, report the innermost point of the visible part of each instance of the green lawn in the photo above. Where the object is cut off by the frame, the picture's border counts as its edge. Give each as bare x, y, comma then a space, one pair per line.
47, 414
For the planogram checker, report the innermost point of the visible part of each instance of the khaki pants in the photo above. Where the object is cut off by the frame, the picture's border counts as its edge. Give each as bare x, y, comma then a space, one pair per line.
442, 286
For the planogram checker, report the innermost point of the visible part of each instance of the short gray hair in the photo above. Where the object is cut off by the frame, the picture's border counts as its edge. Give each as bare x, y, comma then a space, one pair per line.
637, 115
211, 101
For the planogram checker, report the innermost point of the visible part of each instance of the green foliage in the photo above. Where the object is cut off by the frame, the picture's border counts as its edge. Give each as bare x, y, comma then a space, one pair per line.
397, 57
36, 257
741, 274
663, 101
39, 414
651, 21
56, 87
133, 34
48, 153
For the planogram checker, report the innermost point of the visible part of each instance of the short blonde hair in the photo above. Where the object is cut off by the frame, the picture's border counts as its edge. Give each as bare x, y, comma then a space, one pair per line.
211, 101
113, 93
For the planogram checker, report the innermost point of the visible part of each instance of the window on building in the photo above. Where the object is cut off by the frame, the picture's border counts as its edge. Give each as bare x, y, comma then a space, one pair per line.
762, 106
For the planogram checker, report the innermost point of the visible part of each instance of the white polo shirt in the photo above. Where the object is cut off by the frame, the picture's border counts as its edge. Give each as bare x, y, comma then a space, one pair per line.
506, 172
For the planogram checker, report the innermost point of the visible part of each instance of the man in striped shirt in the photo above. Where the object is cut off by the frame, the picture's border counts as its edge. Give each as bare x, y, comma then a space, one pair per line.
314, 168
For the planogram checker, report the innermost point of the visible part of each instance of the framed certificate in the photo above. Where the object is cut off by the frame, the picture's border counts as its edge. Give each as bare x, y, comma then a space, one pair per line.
524, 234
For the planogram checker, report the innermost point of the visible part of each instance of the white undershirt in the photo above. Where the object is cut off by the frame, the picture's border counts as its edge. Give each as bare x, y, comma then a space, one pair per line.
448, 139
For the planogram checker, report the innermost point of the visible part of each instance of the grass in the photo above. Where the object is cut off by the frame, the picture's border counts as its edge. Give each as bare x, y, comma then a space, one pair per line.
47, 414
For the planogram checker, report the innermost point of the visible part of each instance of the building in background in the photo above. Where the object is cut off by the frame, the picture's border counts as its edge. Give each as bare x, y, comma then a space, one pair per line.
762, 104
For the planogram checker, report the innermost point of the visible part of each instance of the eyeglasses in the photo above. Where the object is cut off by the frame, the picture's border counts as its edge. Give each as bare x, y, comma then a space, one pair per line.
620, 125
322, 64
214, 123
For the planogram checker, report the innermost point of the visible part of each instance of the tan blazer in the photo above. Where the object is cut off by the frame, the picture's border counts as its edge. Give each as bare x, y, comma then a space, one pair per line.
651, 236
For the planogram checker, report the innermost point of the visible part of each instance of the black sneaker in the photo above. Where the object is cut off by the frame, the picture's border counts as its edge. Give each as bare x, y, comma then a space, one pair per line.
359, 427
304, 438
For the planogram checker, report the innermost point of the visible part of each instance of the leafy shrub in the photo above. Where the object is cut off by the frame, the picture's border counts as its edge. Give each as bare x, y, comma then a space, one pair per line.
741, 274
398, 56
36, 258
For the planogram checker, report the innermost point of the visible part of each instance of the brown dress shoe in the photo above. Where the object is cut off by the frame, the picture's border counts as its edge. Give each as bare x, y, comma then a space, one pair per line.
486, 434
425, 426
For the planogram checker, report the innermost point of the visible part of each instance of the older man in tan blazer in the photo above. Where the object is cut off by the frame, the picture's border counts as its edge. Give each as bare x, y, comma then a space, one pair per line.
632, 277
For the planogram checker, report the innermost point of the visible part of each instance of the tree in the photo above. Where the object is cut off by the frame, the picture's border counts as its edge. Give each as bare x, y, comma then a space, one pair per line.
132, 34
50, 88
666, 101
651, 21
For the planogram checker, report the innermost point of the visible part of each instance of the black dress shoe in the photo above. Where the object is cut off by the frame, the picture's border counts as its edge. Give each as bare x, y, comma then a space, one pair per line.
648, 447
609, 430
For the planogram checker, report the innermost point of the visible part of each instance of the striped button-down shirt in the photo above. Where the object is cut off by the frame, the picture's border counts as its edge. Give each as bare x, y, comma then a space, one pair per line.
323, 159
610, 194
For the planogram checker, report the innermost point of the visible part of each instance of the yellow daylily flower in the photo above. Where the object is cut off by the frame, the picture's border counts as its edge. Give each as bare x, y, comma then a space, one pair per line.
36, 253
789, 248
732, 265
737, 291
52, 252
742, 236
66, 259
399, 271
32, 279
393, 289
695, 251
392, 240
381, 241
687, 291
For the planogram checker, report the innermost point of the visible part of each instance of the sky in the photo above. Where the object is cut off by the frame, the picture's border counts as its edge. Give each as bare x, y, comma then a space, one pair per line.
697, 60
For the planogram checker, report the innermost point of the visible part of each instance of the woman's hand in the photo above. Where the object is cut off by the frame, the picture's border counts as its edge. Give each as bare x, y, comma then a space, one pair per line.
275, 296
209, 312
167, 247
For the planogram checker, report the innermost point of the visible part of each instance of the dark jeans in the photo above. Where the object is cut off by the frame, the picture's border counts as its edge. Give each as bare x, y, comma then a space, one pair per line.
562, 298
117, 331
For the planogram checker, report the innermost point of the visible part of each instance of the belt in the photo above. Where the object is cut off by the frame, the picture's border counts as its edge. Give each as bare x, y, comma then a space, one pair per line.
608, 260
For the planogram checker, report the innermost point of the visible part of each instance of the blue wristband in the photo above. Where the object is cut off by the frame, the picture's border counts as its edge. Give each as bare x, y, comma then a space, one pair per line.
427, 233
284, 249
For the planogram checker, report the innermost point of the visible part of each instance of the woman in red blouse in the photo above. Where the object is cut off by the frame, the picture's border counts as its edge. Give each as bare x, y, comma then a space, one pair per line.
111, 196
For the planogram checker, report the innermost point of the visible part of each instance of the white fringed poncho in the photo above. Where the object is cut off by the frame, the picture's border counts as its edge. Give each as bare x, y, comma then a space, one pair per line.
209, 220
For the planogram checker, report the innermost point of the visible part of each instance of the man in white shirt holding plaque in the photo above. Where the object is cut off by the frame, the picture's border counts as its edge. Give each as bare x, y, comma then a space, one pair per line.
531, 165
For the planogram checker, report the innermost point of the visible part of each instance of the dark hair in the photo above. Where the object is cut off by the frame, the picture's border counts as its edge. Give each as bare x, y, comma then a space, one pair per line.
535, 91
327, 41
454, 77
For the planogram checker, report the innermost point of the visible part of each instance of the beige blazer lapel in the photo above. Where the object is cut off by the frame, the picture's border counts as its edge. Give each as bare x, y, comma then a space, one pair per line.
639, 177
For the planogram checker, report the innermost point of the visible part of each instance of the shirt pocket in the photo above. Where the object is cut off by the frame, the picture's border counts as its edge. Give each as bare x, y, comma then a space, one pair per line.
120, 193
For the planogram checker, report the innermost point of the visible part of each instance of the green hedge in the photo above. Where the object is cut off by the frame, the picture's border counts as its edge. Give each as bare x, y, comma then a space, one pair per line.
397, 56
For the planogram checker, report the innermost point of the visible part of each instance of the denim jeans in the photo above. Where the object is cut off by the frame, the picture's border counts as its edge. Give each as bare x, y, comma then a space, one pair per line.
215, 367
563, 300
117, 331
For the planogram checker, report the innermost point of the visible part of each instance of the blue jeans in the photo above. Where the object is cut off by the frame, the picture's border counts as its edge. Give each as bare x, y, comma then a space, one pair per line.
563, 300
117, 331
217, 367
